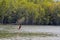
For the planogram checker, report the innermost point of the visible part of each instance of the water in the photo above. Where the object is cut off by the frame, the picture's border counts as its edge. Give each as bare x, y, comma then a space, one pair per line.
52, 29
37, 29
33, 29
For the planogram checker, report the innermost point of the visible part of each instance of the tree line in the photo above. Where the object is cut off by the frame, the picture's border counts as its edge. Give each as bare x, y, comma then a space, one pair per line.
31, 12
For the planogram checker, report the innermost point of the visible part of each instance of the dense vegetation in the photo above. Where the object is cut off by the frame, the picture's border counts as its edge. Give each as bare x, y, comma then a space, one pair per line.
41, 12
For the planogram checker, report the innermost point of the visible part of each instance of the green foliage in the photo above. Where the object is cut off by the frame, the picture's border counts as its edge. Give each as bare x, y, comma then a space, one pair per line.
33, 11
